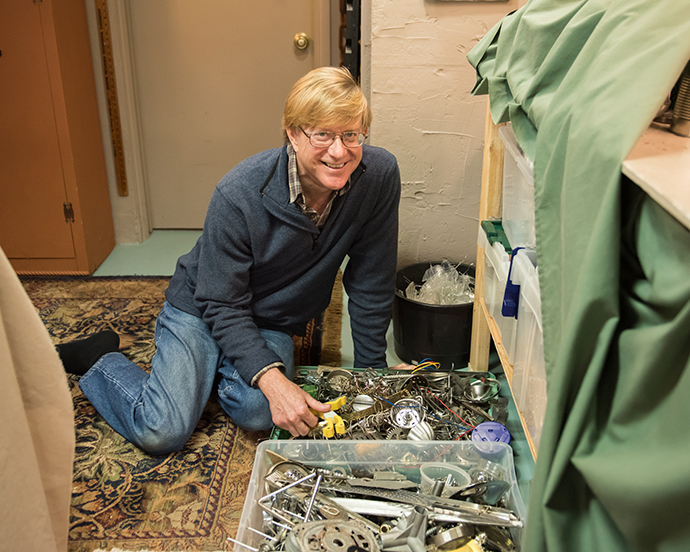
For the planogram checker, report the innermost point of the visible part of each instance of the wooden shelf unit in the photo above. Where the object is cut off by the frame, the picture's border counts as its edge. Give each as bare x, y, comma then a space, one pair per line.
484, 327
659, 163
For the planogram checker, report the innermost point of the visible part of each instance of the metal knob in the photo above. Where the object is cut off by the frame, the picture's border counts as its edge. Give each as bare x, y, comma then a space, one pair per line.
302, 41
681, 110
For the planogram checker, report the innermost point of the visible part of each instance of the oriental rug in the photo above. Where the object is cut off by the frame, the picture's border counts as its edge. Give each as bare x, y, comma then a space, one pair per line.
123, 498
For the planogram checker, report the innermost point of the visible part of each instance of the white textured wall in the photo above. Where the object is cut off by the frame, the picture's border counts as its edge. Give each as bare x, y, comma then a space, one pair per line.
419, 86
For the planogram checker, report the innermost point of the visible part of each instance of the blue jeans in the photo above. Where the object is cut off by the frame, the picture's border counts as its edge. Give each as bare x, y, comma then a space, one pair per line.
159, 411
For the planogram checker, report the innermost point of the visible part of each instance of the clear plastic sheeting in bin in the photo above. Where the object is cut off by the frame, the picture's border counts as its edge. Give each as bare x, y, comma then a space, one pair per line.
442, 285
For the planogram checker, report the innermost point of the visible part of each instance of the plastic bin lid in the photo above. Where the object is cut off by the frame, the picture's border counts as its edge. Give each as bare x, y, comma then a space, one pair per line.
513, 147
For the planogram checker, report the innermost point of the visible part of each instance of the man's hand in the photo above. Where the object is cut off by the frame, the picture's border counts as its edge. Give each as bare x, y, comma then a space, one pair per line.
403, 366
289, 403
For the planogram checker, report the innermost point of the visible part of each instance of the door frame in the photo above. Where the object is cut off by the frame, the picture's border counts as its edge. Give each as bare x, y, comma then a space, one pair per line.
131, 214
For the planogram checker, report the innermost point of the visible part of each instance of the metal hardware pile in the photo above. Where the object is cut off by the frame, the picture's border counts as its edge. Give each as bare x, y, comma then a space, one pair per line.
424, 404
385, 504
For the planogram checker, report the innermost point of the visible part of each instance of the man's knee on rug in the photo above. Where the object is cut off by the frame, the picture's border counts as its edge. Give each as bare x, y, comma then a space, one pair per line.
250, 411
162, 436
159, 445
262, 421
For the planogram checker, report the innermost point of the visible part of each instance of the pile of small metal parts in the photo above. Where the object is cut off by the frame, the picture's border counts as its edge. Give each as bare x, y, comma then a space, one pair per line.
417, 405
357, 508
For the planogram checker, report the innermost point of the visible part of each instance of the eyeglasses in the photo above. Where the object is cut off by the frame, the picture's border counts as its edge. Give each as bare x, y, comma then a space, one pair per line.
322, 139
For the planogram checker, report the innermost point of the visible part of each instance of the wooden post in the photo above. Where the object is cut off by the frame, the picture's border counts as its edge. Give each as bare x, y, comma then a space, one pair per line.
489, 207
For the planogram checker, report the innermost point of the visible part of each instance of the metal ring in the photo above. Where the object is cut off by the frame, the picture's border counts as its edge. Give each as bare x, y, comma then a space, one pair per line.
453, 538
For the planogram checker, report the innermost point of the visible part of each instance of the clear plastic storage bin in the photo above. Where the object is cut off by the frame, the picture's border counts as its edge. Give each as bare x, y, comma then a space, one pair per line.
496, 267
529, 374
366, 457
518, 192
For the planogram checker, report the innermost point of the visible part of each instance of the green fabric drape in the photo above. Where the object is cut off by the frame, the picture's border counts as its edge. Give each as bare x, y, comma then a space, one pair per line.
580, 81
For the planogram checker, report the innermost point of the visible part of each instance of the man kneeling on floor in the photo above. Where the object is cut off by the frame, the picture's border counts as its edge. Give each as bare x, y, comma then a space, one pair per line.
278, 227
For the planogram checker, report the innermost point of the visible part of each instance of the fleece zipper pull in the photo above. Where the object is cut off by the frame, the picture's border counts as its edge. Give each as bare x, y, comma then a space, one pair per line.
315, 241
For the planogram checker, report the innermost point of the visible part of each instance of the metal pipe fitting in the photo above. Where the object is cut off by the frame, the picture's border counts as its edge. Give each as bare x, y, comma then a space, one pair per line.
680, 124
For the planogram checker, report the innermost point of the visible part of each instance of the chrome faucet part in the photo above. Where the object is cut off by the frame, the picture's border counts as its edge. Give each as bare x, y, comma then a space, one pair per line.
437, 487
362, 402
485, 470
454, 537
469, 512
407, 413
421, 432
393, 510
313, 497
483, 492
498, 539
409, 534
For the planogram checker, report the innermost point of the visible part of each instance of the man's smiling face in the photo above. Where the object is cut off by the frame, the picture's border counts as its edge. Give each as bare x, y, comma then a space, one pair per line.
325, 169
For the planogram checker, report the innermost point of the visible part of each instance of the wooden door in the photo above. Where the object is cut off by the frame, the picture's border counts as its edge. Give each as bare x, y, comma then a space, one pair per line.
211, 80
32, 186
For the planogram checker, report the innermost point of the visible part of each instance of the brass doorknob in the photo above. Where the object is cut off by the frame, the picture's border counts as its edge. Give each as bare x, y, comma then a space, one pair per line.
301, 41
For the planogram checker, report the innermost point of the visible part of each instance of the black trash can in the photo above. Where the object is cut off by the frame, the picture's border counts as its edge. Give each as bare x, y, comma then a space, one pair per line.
439, 332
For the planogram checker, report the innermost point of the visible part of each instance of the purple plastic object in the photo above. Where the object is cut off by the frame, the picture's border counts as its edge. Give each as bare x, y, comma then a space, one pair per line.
491, 431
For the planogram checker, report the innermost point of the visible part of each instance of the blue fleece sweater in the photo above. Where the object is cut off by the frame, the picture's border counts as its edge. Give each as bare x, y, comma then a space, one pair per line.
261, 263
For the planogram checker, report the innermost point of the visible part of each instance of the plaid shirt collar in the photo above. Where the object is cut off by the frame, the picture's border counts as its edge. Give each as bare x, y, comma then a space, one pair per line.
293, 179
296, 195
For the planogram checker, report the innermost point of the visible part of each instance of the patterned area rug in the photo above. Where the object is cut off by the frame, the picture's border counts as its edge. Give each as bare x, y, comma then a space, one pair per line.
123, 498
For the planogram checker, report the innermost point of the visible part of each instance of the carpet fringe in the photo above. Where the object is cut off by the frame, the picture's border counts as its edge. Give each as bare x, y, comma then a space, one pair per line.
331, 339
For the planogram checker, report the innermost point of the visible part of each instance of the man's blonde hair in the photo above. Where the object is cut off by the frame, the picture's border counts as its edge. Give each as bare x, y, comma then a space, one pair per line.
327, 96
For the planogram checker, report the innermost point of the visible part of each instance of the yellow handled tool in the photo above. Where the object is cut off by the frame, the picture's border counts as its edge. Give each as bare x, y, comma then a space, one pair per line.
332, 423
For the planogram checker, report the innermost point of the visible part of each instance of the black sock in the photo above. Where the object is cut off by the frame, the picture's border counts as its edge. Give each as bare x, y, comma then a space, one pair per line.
78, 356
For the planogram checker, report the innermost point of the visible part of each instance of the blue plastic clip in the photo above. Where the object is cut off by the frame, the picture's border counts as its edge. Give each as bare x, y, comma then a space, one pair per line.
511, 297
